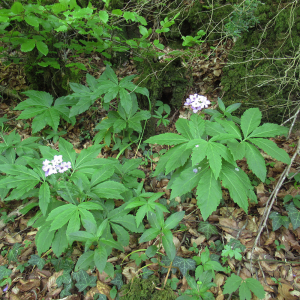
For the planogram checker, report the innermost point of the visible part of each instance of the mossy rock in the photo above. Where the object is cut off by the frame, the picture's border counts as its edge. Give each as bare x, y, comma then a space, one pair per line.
252, 77
145, 289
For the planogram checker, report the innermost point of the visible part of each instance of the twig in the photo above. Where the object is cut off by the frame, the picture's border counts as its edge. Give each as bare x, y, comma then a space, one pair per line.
271, 201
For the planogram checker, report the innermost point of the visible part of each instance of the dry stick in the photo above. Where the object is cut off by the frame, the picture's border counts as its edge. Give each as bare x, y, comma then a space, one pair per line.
271, 201
294, 117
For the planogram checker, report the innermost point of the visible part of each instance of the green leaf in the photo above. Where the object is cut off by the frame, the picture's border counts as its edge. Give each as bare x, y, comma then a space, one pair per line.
83, 279
231, 179
184, 264
17, 8
244, 292
268, 130
187, 180
103, 16
294, 215
60, 243
209, 193
237, 149
207, 229
199, 150
87, 155
67, 151
250, 120
278, 220
35, 260
100, 258
4, 272
272, 149
61, 215
231, 128
232, 107
44, 197
255, 161
232, 284
149, 235
174, 220
167, 139
42, 47
256, 287
122, 234
214, 159
109, 72
85, 261
125, 100
28, 45
167, 241
109, 190
44, 239
32, 20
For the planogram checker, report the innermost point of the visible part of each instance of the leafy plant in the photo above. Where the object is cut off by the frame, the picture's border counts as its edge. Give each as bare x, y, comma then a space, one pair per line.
293, 214
229, 251
245, 287
242, 18
162, 229
159, 113
205, 154
279, 246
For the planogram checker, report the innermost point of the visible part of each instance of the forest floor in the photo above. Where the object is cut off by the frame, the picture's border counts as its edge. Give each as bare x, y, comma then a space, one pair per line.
276, 264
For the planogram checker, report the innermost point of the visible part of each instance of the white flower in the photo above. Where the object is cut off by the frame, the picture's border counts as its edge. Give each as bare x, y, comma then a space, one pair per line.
195, 170
237, 169
197, 146
57, 164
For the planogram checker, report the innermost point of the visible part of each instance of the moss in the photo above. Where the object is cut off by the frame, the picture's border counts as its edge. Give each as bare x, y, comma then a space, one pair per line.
145, 289
253, 77
166, 82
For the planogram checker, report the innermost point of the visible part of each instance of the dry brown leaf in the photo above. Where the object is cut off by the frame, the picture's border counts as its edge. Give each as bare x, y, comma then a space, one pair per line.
101, 288
199, 240
284, 290
27, 285
129, 273
271, 239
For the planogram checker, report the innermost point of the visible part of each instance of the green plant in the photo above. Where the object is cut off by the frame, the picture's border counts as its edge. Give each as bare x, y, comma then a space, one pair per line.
162, 229
159, 113
194, 248
277, 281
5, 218
242, 18
205, 154
4, 276
279, 246
245, 287
228, 251
204, 274
293, 214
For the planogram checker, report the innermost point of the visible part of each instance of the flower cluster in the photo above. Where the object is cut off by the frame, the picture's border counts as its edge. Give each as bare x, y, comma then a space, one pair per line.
197, 102
57, 164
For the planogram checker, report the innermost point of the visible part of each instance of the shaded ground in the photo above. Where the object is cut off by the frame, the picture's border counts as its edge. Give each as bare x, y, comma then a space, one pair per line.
277, 266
